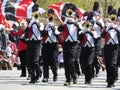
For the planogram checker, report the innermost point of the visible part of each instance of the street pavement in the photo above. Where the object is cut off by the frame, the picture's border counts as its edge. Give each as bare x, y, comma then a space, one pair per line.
11, 80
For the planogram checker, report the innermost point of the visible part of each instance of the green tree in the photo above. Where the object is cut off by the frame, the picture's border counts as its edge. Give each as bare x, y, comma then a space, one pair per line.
87, 5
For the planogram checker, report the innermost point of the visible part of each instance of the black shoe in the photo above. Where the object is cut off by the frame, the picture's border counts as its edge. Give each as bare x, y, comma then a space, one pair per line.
75, 80
22, 75
55, 78
116, 78
28, 78
110, 85
37, 78
45, 80
32, 81
96, 75
93, 76
89, 82
67, 84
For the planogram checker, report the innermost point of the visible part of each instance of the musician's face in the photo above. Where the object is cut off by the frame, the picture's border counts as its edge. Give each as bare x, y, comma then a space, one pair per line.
23, 26
71, 19
97, 17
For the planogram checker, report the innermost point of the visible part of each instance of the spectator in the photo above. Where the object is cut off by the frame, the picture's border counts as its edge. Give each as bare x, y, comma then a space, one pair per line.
9, 52
60, 57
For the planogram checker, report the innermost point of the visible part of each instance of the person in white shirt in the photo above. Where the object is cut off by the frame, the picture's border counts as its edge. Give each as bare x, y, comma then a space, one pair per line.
50, 49
70, 44
111, 49
87, 52
34, 44
9, 50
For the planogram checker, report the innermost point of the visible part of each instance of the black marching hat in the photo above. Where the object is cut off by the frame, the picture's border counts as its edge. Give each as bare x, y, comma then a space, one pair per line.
96, 10
118, 14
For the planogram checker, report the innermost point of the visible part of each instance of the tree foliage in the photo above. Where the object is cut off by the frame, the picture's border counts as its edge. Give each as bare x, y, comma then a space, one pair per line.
87, 5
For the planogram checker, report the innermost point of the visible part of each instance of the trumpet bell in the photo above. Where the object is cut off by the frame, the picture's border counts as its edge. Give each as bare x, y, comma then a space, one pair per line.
35, 15
87, 24
69, 12
50, 17
112, 18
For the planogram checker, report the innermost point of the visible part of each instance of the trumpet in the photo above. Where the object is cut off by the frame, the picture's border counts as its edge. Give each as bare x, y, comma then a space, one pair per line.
35, 15
87, 25
50, 17
69, 12
46, 19
112, 18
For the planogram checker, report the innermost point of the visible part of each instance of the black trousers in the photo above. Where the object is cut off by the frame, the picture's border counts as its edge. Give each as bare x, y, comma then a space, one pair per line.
50, 58
111, 59
33, 59
23, 60
119, 57
96, 65
69, 56
77, 60
87, 58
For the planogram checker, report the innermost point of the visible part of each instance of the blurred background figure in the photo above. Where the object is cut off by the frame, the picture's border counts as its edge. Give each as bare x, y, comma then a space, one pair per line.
22, 47
60, 57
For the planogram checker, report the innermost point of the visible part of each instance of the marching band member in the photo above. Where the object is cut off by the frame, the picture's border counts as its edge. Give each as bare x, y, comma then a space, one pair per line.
111, 48
22, 47
69, 33
97, 26
87, 51
34, 44
118, 23
83, 20
50, 49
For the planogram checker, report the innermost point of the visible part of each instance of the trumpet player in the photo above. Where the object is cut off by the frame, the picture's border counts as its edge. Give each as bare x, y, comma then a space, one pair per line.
111, 49
87, 50
118, 23
50, 49
22, 47
98, 25
69, 32
34, 44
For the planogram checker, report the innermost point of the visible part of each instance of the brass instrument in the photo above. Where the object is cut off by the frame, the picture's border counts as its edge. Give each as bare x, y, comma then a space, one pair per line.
46, 19
69, 12
50, 17
35, 15
87, 25
112, 18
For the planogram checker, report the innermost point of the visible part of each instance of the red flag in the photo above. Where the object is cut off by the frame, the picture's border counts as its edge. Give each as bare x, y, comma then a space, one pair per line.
21, 11
14, 10
17, 9
56, 6
2, 19
80, 12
